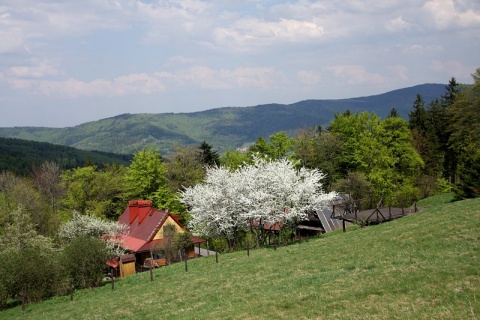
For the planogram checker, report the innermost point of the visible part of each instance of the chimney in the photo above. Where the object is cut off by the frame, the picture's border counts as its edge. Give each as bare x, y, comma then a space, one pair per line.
144, 207
133, 210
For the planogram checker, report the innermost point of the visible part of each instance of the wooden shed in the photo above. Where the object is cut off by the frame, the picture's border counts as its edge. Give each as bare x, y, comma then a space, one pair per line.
127, 265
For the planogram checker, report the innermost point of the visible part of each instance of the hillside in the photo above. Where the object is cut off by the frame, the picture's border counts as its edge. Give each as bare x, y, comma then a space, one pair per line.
223, 128
20, 156
423, 266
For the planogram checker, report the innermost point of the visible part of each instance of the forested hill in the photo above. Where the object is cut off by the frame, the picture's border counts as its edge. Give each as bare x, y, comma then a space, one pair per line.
228, 127
20, 156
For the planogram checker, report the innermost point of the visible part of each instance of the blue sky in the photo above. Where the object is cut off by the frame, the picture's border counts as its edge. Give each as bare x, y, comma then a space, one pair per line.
63, 63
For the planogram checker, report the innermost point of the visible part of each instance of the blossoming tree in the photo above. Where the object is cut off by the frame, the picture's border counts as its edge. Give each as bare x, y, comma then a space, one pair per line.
266, 192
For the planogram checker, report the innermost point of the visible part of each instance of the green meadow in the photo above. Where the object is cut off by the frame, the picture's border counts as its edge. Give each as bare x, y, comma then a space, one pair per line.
423, 266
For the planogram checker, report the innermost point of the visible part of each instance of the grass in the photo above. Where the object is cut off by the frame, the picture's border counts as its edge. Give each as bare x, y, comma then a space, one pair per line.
423, 266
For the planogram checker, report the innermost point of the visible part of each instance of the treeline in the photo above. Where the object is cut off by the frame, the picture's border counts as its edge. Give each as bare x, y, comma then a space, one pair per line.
388, 161
19, 156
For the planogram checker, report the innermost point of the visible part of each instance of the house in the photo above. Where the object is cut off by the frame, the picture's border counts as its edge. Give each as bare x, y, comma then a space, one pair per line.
145, 231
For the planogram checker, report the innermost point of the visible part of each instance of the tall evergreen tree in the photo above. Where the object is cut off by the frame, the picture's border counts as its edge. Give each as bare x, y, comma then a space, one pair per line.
417, 118
464, 128
207, 155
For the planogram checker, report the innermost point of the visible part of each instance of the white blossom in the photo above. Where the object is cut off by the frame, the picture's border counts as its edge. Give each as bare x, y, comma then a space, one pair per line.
266, 192
88, 225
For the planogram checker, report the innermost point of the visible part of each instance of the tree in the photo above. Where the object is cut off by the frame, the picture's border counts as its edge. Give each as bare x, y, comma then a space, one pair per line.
84, 260
168, 247
95, 227
358, 187
185, 167
280, 146
381, 149
20, 233
265, 192
80, 189
393, 113
305, 146
451, 90
234, 159
47, 177
98, 192
146, 174
29, 268
464, 126
207, 155
418, 116
322, 150
18, 191
29, 275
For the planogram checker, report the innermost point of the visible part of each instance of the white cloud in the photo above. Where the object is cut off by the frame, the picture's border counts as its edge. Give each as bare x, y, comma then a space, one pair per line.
73, 88
400, 72
356, 74
253, 32
446, 13
309, 78
398, 24
453, 68
39, 20
242, 77
38, 69
142, 83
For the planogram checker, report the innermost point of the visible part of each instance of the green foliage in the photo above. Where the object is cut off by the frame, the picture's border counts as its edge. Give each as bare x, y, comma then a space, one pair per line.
469, 173
405, 196
168, 248
84, 261
81, 189
184, 242
235, 159
163, 198
19, 233
20, 156
208, 156
381, 149
146, 174
358, 187
318, 149
98, 192
464, 126
218, 244
29, 275
185, 168
280, 146
16, 191
29, 270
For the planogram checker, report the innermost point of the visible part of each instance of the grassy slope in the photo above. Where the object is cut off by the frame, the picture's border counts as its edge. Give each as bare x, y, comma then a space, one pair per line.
425, 265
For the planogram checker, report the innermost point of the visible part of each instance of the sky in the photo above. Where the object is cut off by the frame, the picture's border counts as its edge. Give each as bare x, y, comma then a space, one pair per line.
63, 63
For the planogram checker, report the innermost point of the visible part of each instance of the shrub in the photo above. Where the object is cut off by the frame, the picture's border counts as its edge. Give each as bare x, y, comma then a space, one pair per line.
84, 261
29, 275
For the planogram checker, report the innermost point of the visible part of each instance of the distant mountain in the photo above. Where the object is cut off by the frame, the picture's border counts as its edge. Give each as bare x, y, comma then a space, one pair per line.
228, 127
20, 156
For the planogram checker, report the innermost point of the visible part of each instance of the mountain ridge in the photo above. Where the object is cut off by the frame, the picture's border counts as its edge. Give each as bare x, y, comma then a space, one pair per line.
226, 127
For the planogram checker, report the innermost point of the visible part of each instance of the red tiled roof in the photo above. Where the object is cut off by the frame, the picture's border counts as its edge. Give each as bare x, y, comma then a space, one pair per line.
113, 262
144, 222
131, 243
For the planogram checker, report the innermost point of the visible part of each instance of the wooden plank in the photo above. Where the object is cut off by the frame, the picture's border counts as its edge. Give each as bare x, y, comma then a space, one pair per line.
310, 228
